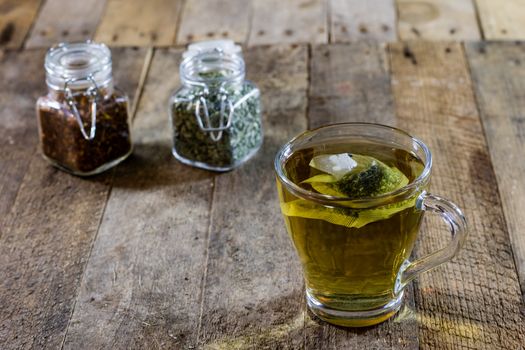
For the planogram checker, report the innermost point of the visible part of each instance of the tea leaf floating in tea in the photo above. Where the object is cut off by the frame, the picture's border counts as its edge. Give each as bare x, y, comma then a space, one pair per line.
354, 176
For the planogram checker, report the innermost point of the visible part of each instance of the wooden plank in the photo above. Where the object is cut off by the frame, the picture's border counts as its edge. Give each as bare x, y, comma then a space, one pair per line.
139, 23
142, 284
21, 84
65, 21
292, 21
47, 240
355, 20
16, 18
351, 83
473, 301
502, 20
437, 20
499, 81
250, 254
216, 19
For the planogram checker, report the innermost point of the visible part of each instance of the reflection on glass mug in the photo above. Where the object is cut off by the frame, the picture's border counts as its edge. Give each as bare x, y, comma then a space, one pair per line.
353, 197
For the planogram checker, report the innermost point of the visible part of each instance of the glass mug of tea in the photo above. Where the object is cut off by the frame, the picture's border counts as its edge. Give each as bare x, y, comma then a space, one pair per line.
353, 197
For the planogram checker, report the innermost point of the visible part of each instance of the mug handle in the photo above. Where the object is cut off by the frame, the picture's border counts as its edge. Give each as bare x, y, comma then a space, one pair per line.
453, 216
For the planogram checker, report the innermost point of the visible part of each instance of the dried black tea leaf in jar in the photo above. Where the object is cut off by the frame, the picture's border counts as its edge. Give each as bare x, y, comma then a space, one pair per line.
83, 120
216, 114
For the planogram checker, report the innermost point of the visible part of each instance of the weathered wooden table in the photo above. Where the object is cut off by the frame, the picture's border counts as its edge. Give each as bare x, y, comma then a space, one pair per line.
155, 254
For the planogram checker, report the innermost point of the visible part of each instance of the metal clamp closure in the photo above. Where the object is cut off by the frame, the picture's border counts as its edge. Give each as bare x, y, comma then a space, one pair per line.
92, 92
203, 116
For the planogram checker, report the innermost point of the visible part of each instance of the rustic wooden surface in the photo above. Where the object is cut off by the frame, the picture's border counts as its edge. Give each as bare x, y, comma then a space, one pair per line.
246, 238
42, 23
51, 225
458, 304
437, 20
356, 20
155, 254
292, 21
500, 92
502, 20
78, 21
138, 22
22, 84
16, 20
215, 19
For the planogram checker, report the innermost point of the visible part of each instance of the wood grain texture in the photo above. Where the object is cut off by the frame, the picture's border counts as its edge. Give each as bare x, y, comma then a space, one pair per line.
291, 21
351, 83
21, 84
472, 302
16, 18
142, 285
65, 21
502, 20
48, 238
215, 19
253, 294
499, 81
437, 20
356, 20
139, 23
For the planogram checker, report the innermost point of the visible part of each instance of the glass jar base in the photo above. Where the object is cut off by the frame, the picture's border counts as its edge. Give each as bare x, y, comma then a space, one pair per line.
354, 318
206, 166
96, 171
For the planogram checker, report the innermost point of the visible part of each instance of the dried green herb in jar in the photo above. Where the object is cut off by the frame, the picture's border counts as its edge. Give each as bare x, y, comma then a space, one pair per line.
83, 120
216, 115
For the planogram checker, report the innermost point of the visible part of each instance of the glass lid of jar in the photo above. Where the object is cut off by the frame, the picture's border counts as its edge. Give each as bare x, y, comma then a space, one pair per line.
76, 64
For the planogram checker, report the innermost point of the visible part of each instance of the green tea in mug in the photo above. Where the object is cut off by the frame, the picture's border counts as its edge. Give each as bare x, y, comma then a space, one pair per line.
353, 197
351, 255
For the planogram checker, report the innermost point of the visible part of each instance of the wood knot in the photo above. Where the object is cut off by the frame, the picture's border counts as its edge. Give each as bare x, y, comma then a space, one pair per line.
415, 12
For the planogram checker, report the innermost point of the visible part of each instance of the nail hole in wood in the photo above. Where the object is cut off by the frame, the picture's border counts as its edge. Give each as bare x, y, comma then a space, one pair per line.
407, 52
415, 31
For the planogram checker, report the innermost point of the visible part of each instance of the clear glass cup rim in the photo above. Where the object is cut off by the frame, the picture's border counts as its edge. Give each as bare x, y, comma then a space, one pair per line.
283, 154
